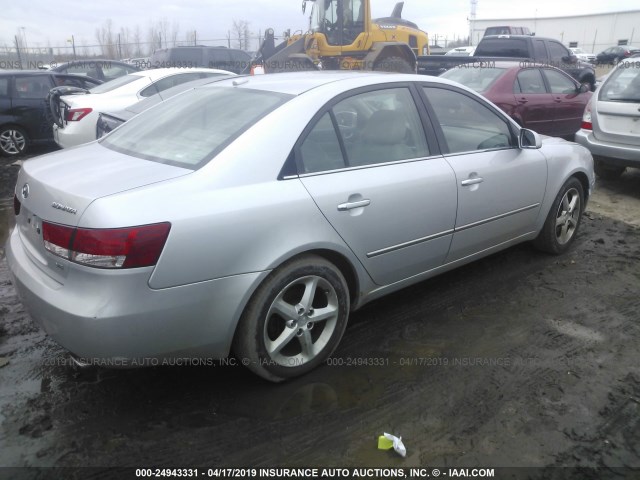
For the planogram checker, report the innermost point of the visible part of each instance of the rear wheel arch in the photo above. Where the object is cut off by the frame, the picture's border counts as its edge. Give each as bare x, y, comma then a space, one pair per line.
275, 334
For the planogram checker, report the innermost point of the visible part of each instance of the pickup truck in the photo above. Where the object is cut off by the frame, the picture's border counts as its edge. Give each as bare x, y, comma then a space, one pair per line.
523, 48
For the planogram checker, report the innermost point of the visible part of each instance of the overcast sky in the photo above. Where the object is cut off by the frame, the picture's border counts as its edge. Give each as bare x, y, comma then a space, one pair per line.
46, 23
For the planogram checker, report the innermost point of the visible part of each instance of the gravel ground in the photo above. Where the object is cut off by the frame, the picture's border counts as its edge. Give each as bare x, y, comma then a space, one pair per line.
520, 359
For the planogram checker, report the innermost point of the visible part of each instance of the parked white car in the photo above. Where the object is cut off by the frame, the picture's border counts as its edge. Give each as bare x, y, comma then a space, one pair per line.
76, 115
462, 51
582, 55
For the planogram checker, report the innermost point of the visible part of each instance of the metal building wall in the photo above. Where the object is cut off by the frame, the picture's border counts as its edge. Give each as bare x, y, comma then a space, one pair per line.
593, 33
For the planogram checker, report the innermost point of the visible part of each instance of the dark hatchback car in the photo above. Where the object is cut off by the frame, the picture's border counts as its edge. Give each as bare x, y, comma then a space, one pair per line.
613, 55
539, 97
23, 107
103, 70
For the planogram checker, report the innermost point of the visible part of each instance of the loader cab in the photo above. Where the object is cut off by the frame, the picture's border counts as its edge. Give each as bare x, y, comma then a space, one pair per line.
341, 21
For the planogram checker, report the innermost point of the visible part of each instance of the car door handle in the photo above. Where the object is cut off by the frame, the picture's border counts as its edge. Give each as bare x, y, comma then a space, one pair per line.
523, 100
557, 99
343, 207
472, 181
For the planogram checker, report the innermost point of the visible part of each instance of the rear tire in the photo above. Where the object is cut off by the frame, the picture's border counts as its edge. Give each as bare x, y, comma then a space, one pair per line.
607, 172
562, 223
393, 64
13, 141
294, 320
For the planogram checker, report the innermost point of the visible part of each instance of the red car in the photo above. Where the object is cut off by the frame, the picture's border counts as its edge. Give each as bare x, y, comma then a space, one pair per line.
538, 97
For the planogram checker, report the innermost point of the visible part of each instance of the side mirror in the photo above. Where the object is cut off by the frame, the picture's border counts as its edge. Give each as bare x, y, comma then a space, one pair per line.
584, 88
528, 139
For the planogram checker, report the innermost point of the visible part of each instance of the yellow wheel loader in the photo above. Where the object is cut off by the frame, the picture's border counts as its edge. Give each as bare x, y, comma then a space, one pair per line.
343, 36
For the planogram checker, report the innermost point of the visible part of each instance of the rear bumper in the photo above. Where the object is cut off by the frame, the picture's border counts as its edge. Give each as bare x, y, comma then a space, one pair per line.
73, 135
117, 320
615, 153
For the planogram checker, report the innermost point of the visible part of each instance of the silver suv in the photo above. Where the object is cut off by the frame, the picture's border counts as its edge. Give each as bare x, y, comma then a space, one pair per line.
611, 121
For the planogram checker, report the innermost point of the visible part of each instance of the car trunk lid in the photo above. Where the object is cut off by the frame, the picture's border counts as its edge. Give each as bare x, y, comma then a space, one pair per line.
617, 122
58, 188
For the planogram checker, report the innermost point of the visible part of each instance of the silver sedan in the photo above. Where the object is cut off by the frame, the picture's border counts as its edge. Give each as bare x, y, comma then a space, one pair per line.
251, 215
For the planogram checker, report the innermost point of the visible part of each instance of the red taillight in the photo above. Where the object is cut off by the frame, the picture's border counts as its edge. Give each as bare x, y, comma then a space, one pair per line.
76, 114
16, 205
107, 248
586, 118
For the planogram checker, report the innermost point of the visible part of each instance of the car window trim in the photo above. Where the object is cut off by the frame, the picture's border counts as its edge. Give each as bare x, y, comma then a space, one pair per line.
427, 127
444, 147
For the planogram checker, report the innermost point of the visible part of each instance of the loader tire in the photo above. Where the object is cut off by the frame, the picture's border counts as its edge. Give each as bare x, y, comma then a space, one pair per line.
393, 64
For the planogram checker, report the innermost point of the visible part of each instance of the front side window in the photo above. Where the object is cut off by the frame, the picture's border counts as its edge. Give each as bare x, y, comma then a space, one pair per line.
188, 130
33, 87
374, 127
559, 83
467, 124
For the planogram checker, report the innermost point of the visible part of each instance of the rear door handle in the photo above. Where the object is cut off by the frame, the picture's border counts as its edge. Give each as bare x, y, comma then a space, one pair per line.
523, 100
472, 181
343, 207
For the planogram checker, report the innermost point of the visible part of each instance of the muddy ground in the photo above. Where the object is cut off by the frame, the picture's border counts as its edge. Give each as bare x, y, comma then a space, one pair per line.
520, 359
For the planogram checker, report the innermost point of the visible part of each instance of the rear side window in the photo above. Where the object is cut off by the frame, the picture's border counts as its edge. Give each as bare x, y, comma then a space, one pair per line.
503, 47
467, 124
188, 130
557, 52
529, 81
374, 127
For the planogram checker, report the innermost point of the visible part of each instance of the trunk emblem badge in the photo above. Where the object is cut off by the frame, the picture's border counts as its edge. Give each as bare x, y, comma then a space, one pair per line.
25, 190
64, 208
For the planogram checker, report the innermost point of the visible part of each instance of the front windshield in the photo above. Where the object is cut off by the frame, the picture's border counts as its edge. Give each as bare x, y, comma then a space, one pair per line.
623, 85
324, 12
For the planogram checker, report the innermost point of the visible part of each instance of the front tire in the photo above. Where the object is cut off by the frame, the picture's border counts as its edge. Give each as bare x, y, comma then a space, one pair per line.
561, 226
295, 319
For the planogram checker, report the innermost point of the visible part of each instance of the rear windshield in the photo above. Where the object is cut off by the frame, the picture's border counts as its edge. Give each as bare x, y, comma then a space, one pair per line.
189, 130
115, 83
503, 47
623, 85
476, 78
